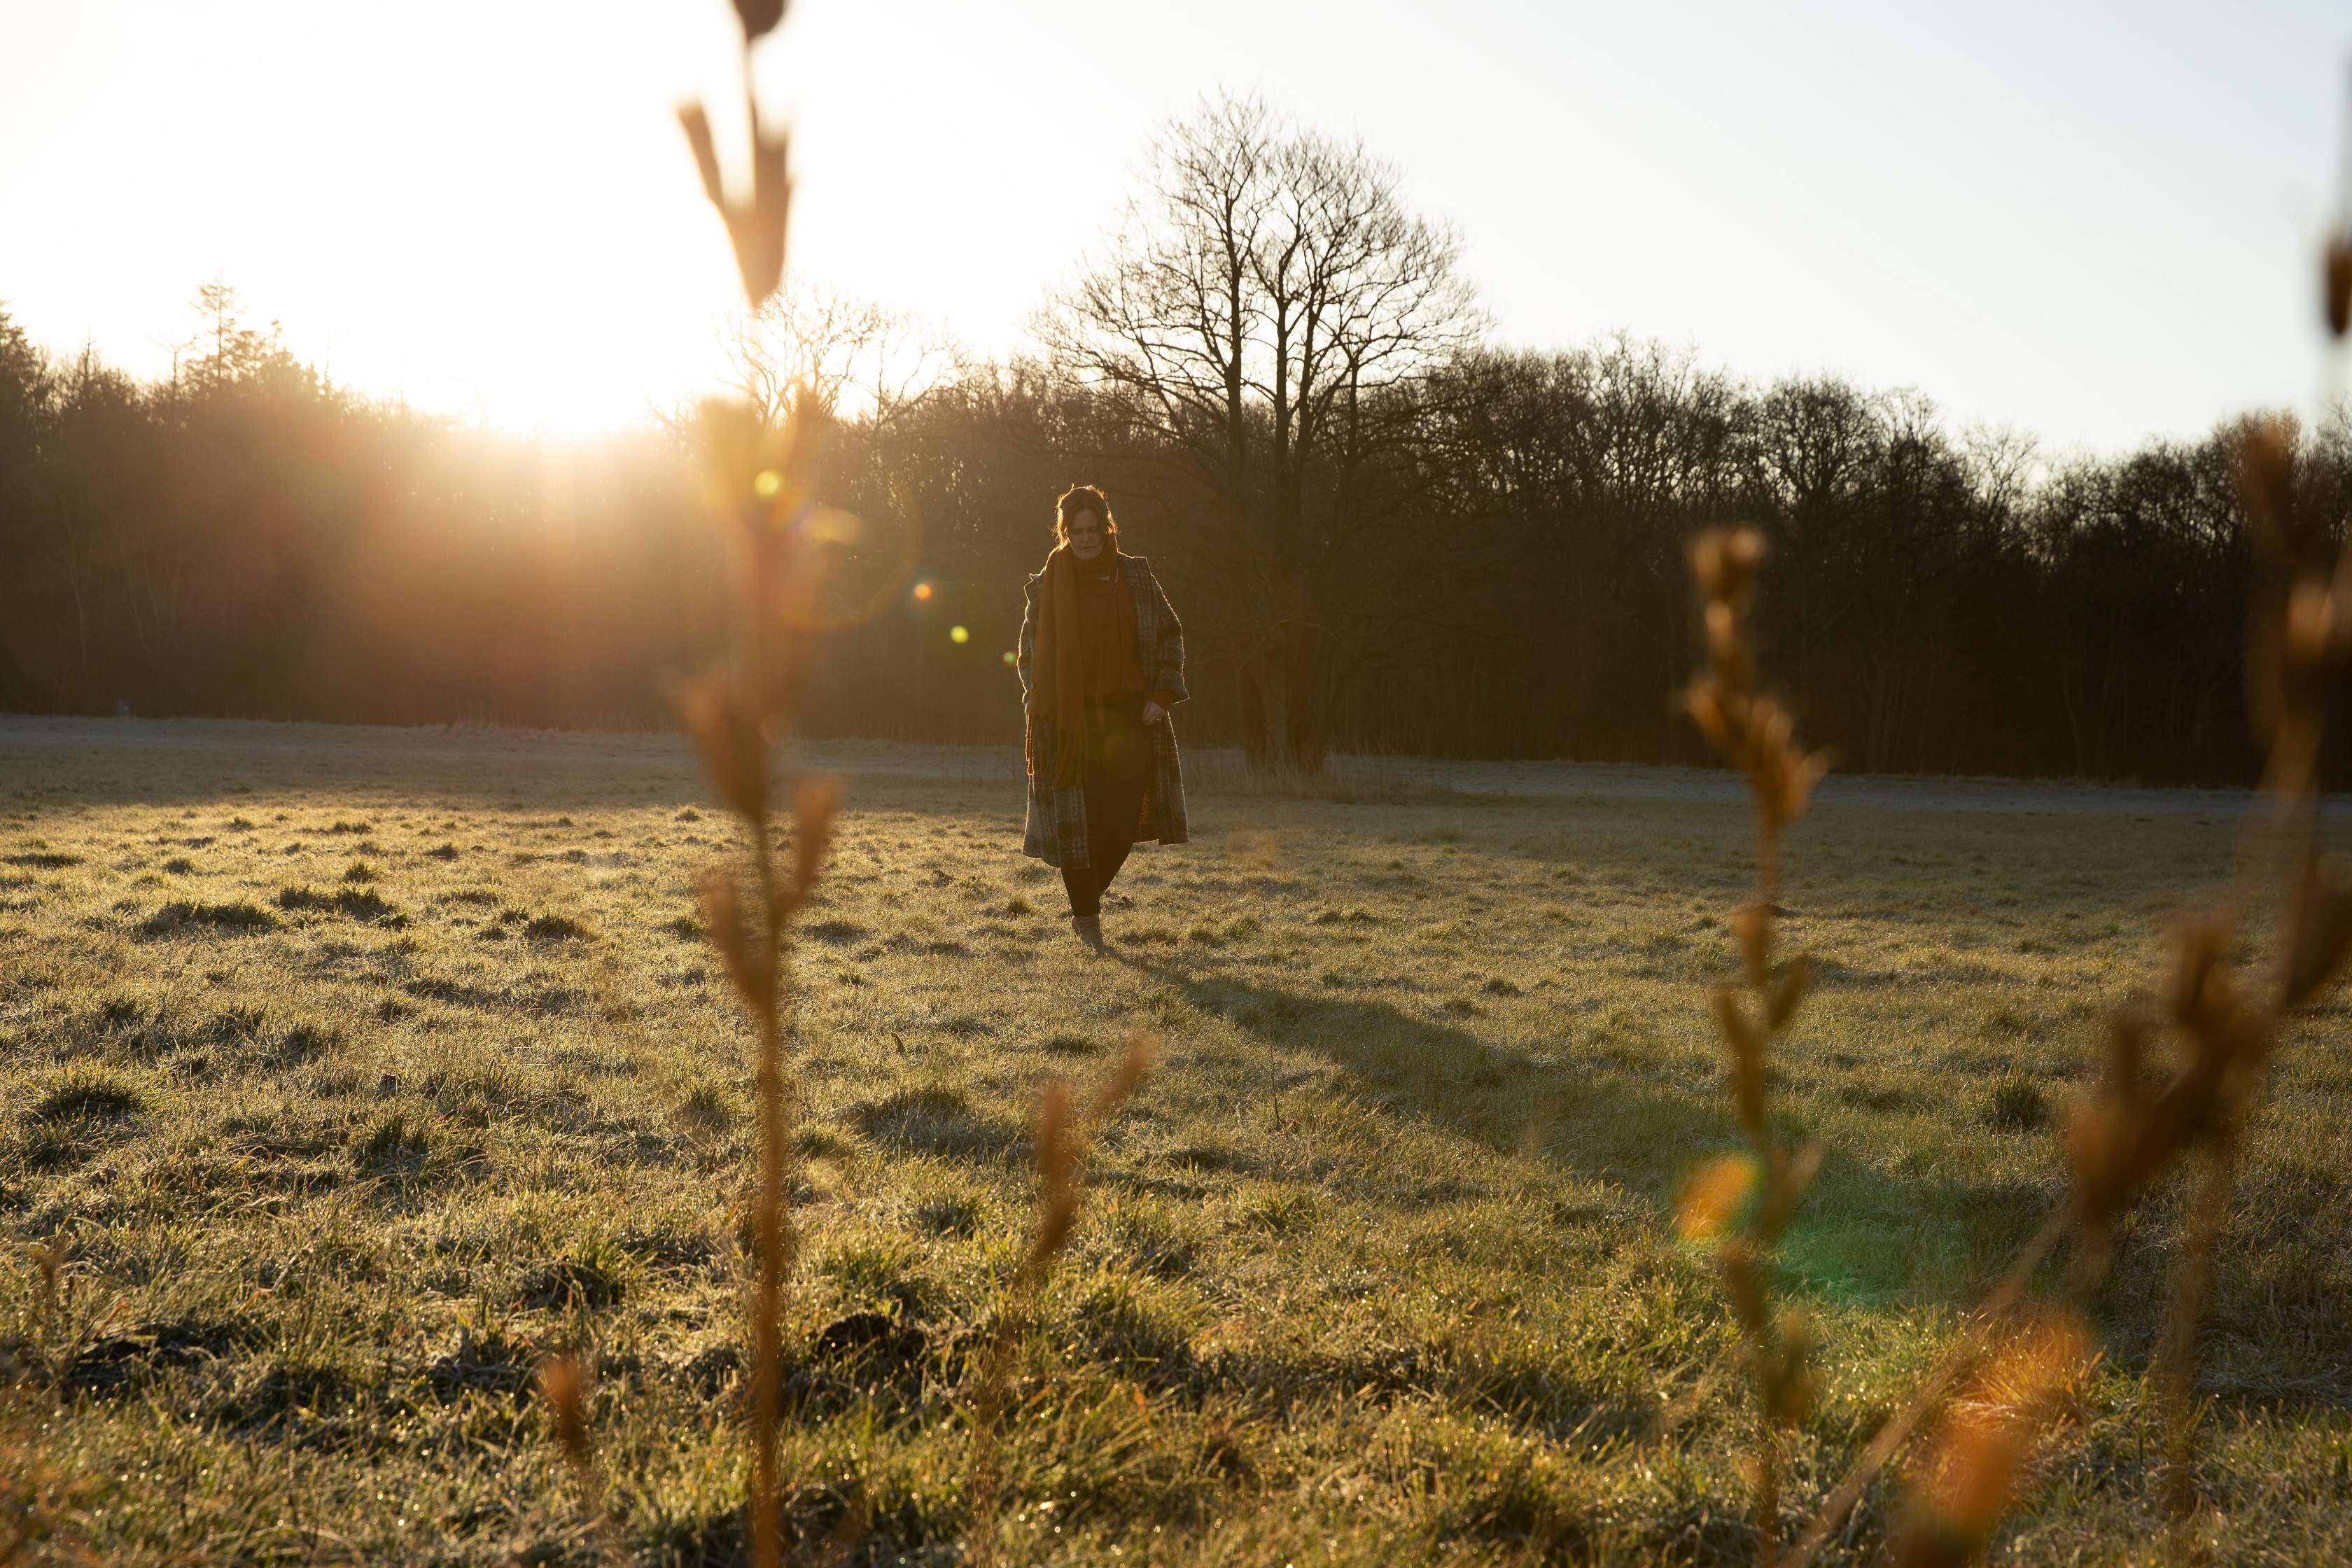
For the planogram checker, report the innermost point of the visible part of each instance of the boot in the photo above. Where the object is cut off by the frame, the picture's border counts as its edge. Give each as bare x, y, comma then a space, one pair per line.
1089, 930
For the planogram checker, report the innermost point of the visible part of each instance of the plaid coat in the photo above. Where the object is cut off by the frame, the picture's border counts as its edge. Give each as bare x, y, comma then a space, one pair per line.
1056, 833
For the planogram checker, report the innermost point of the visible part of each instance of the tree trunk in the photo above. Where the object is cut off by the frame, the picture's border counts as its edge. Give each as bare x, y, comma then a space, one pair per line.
1270, 685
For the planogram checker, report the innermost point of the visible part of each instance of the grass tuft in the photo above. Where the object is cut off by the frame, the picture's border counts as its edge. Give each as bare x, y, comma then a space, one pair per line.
393, 1142
233, 1024
956, 1214
357, 903
2015, 1104
709, 1106
306, 1039
89, 1092
554, 928
241, 916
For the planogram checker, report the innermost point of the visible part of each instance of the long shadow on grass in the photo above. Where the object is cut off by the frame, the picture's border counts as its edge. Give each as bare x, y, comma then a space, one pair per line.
1862, 1239
1866, 1237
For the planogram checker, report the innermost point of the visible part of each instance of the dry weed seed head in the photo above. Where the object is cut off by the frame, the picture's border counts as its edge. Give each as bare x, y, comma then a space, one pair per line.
1981, 1461
755, 230
759, 17
567, 1386
1745, 1044
727, 734
723, 919
2322, 928
2124, 1136
1755, 734
1062, 1141
1062, 1138
812, 812
762, 485
2299, 640
1789, 1177
1785, 1374
1789, 991
562, 1384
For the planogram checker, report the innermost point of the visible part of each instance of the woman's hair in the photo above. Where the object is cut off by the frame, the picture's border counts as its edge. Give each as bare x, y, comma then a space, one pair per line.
1080, 498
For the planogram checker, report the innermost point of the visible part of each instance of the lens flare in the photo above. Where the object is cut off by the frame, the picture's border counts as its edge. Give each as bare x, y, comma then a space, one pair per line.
922, 590
959, 634
767, 484
1716, 1193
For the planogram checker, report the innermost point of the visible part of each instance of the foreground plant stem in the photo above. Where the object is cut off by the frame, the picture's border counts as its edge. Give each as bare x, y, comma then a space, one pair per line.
776, 1237
2124, 1136
1756, 735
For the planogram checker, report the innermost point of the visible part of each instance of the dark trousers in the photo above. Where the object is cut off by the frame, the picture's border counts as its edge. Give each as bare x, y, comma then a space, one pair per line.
1118, 771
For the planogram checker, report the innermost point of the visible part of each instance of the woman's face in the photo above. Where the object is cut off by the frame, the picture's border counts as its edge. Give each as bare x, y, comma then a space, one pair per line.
1086, 536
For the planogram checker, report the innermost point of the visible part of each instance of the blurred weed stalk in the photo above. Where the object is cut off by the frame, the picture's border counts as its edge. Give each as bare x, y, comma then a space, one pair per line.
37, 1499
567, 1386
1748, 1200
761, 485
2223, 1017
1983, 1459
1062, 1144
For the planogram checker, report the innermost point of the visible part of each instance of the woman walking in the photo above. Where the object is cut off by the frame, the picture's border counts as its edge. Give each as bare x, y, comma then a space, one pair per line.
1102, 660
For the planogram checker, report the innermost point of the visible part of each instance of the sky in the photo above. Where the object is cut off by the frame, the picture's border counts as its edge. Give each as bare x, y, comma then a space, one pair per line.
2093, 224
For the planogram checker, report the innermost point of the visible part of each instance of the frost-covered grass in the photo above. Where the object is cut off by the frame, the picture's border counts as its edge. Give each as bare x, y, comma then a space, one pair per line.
351, 1082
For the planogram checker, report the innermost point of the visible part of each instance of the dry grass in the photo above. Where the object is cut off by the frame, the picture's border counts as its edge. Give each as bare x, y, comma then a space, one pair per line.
1380, 1269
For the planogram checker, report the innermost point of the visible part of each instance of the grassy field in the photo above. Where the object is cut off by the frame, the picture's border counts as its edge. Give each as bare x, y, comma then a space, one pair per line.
349, 1078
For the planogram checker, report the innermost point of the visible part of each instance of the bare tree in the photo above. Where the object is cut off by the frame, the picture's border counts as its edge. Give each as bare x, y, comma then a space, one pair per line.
1270, 312
860, 359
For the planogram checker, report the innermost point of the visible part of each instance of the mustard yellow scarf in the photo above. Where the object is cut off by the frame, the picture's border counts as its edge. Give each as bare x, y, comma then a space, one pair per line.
1058, 665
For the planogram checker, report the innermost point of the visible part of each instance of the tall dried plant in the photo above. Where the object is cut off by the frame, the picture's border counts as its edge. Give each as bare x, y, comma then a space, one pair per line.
2224, 1018
1749, 1201
762, 483
1062, 1142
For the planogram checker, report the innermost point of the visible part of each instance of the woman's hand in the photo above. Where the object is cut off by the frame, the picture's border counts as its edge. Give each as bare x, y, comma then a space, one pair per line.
1153, 712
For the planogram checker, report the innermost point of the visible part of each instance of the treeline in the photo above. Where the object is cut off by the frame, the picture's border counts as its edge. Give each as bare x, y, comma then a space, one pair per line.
244, 538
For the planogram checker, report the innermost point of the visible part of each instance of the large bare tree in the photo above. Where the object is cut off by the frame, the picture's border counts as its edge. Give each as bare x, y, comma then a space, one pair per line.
1269, 311
859, 359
